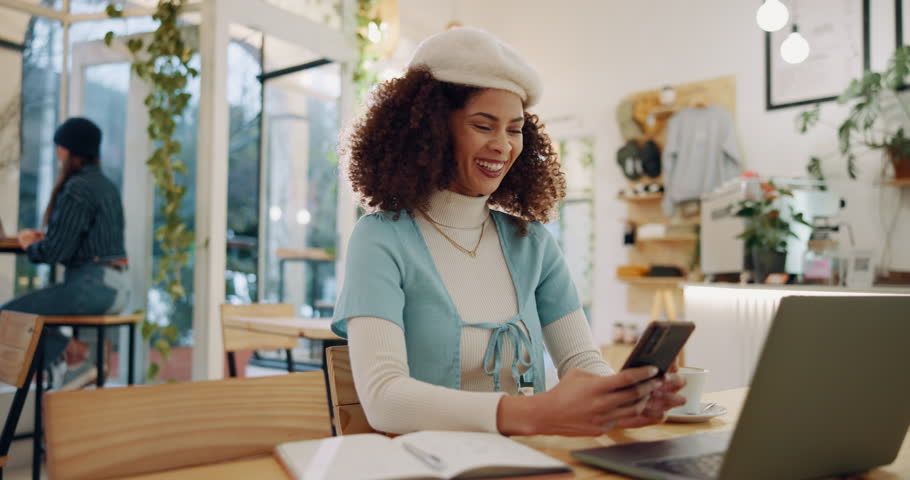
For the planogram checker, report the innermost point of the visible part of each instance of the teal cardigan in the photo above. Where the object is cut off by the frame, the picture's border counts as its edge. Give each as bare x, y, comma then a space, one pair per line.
390, 274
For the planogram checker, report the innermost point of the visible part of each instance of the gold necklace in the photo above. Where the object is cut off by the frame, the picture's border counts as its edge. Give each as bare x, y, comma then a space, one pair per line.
435, 224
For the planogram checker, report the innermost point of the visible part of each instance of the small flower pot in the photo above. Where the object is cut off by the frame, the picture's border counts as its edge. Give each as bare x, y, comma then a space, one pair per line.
767, 261
901, 167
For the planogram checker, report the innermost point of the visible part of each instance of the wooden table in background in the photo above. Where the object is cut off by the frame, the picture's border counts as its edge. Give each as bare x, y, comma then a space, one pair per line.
315, 257
10, 245
311, 328
268, 468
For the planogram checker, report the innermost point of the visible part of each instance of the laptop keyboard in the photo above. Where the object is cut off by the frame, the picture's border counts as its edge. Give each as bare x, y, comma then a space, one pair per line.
705, 466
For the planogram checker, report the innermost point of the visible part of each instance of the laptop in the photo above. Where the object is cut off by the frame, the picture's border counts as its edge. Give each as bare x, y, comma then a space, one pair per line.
830, 395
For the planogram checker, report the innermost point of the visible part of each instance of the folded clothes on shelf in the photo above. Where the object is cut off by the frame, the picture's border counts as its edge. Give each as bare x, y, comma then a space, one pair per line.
641, 189
632, 270
651, 230
665, 271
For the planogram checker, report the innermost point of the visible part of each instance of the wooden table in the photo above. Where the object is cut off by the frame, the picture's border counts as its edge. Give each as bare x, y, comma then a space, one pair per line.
10, 245
268, 468
309, 328
315, 257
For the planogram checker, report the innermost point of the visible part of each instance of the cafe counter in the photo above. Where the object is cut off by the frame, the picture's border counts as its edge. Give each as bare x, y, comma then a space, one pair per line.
732, 321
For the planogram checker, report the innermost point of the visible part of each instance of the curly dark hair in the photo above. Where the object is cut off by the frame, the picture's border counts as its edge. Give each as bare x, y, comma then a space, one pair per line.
401, 151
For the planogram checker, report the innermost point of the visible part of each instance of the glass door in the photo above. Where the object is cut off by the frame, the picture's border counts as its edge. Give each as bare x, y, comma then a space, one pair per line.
103, 89
300, 125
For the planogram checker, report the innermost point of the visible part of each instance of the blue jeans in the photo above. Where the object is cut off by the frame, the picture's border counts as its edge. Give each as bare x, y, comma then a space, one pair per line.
87, 290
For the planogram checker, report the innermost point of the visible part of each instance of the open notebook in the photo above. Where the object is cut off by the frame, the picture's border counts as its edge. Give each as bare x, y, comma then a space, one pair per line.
427, 454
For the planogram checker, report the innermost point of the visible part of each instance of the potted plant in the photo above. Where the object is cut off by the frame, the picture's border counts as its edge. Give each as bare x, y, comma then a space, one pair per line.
876, 119
767, 230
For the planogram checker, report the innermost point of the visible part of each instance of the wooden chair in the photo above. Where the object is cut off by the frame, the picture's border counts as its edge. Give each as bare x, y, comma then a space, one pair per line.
19, 337
238, 339
118, 432
348, 416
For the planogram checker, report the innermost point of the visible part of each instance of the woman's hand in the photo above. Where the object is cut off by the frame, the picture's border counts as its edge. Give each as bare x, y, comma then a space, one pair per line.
661, 400
582, 403
28, 237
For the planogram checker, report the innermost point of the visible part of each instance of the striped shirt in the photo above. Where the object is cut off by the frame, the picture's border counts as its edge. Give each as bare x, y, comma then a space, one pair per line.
86, 225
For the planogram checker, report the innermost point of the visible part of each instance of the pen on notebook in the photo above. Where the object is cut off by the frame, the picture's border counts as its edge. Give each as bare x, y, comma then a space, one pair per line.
431, 460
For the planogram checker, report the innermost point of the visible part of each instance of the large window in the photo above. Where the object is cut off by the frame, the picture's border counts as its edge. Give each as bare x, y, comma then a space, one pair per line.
41, 70
575, 228
245, 101
302, 121
282, 168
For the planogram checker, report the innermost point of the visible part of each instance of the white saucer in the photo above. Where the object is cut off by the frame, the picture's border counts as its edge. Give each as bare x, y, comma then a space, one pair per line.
678, 416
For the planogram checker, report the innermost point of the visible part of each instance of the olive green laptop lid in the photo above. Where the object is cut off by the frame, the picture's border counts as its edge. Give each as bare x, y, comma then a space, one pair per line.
831, 392
830, 395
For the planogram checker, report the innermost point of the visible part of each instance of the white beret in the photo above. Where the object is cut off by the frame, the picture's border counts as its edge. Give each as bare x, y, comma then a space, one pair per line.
470, 56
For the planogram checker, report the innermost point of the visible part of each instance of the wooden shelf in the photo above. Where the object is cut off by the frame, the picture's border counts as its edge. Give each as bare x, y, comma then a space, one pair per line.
899, 182
671, 239
643, 198
653, 281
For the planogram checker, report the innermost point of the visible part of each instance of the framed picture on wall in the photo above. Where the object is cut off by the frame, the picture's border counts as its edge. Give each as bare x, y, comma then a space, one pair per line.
838, 36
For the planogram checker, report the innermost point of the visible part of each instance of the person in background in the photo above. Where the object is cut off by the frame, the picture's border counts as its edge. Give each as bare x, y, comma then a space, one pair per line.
84, 228
453, 287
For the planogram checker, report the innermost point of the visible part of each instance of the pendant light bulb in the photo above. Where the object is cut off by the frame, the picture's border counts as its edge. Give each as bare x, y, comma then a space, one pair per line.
772, 16
795, 49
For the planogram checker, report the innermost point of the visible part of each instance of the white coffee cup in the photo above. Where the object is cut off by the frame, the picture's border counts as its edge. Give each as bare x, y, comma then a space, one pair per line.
695, 386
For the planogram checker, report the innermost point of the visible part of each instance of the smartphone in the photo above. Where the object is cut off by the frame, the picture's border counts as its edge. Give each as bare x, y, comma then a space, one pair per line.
659, 345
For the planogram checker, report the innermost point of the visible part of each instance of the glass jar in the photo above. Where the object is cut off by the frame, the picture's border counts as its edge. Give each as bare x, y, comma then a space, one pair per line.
821, 262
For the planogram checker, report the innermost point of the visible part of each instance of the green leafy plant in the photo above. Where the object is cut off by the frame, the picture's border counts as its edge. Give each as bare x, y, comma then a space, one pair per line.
164, 63
867, 125
364, 78
766, 228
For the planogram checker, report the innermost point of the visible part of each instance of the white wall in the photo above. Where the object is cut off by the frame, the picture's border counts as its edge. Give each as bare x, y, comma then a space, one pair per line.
591, 53
10, 91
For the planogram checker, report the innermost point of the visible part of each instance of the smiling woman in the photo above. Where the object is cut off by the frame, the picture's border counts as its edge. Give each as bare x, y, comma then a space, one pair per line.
421, 135
453, 285
486, 142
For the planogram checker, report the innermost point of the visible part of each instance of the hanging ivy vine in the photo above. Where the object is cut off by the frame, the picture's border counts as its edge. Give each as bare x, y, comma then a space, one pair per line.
164, 63
364, 78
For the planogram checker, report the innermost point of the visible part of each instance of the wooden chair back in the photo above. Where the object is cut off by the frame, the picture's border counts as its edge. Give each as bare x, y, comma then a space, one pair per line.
347, 413
118, 432
19, 337
237, 339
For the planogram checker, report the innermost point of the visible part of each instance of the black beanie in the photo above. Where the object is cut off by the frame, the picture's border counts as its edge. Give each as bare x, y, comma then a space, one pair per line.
80, 136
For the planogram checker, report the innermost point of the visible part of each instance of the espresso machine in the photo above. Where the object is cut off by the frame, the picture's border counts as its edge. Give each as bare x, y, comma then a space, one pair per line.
723, 253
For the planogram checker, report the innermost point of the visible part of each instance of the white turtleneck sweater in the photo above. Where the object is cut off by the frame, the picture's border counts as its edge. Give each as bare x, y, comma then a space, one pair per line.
482, 291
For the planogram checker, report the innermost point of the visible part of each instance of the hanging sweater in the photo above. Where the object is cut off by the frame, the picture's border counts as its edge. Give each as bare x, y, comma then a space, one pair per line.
701, 153
482, 291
